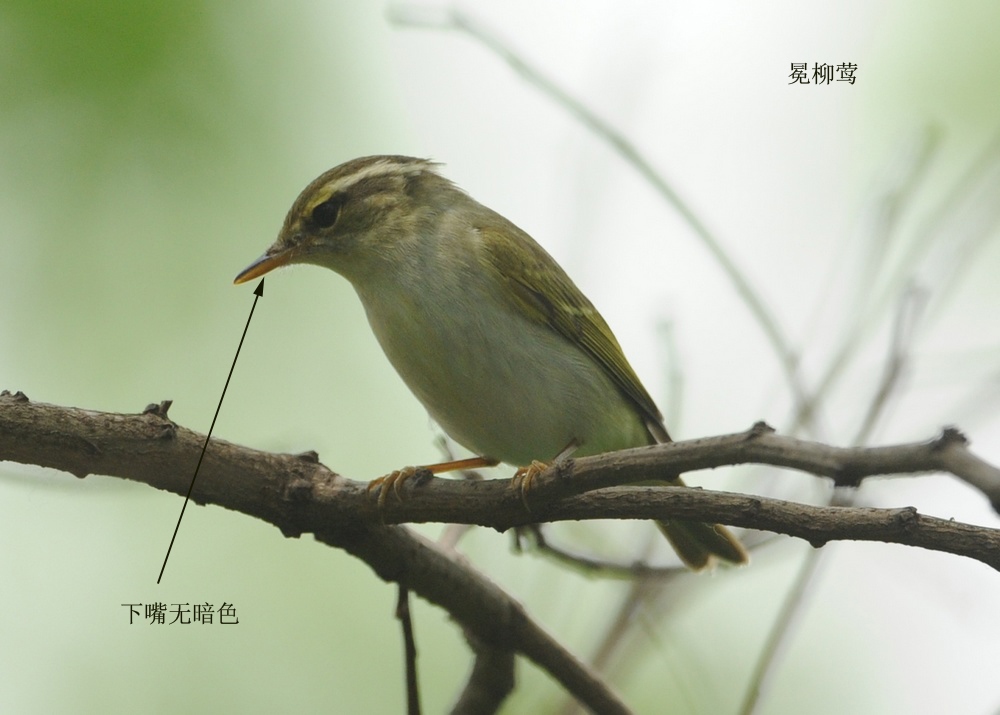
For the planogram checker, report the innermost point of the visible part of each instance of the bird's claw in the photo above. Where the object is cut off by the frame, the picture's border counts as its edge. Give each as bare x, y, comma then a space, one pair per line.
391, 482
524, 477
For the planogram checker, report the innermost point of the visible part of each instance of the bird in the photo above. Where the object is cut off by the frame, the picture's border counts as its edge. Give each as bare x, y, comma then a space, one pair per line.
486, 329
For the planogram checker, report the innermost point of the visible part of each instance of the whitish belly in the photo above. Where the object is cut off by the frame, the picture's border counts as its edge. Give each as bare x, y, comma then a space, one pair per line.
506, 388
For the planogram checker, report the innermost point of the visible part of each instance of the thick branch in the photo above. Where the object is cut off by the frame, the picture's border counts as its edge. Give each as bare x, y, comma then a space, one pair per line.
299, 495
281, 490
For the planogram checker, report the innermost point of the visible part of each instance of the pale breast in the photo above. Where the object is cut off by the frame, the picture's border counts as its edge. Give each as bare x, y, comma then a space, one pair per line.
499, 384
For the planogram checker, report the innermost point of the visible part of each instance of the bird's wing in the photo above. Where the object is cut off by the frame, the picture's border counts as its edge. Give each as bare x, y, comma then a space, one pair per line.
543, 291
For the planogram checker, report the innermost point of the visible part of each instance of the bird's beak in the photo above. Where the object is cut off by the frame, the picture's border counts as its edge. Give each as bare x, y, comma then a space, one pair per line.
265, 264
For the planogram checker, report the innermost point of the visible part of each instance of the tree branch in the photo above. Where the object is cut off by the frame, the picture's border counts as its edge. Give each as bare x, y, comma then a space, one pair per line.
298, 495
409, 650
491, 680
279, 488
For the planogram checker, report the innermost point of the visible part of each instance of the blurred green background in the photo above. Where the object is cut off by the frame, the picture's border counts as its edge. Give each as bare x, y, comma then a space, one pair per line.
148, 151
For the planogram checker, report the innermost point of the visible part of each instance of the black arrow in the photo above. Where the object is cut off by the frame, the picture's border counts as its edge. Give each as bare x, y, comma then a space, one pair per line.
258, 292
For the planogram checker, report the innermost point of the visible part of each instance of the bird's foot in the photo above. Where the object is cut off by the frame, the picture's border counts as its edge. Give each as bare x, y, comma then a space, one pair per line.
524, 477
391, 482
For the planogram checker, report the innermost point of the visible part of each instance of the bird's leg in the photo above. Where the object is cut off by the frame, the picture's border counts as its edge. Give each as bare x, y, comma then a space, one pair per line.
393, 480
524, 476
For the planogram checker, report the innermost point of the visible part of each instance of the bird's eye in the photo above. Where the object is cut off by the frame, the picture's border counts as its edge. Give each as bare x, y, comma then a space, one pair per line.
325, 214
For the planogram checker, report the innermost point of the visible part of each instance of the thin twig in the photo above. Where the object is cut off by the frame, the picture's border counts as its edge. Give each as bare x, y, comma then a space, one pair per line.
908, 172
904, 332
977, 187
595, 566
674, 374
779, 637
635, 599
409, 650
981, 182
797, 599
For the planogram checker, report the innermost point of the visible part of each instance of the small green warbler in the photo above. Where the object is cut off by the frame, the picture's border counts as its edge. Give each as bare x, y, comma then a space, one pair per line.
485, 328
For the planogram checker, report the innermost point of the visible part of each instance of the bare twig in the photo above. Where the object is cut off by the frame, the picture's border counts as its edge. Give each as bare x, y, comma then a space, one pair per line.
409, 650
907, 173
797, 598
792, 610
960, 227
667, 342
639, 592
910, 310
974, 195
595, 566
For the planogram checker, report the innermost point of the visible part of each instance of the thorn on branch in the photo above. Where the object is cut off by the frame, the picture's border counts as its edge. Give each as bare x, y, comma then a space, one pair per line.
16, 397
